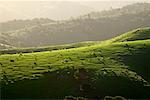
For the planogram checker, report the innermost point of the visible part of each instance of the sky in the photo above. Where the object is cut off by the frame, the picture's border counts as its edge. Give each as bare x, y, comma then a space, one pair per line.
74, 0
55, 9
80, 0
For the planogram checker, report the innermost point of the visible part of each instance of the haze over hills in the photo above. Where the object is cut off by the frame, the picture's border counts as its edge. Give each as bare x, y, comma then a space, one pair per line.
55, 10
41, 9
21, 24
89, 27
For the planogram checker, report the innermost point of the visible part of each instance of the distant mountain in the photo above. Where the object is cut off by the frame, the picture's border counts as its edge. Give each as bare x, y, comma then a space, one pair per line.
22, 24
90, 27
129, 9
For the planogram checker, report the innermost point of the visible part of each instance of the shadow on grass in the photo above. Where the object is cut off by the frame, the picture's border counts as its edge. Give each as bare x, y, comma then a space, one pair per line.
68, 81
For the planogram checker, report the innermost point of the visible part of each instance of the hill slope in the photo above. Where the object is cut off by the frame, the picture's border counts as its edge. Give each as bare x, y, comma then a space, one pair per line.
119, 68
138, 34
47, 48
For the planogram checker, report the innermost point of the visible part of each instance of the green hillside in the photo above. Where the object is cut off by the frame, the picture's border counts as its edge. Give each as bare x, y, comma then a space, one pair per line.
138, 34
96, 71
47, 48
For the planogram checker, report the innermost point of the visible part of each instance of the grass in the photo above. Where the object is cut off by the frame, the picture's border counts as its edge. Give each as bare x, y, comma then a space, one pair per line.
16, 50
94, 71
137, 34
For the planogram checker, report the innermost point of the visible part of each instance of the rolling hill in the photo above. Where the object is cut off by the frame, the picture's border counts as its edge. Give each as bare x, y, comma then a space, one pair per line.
103, 69
47, 48
137, 34
94, 26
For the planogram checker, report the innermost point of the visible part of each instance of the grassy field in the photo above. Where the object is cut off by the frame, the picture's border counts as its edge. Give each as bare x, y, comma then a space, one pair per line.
94, 71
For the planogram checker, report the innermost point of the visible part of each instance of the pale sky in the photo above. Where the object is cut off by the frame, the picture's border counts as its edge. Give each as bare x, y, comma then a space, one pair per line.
80, 0
57, 10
